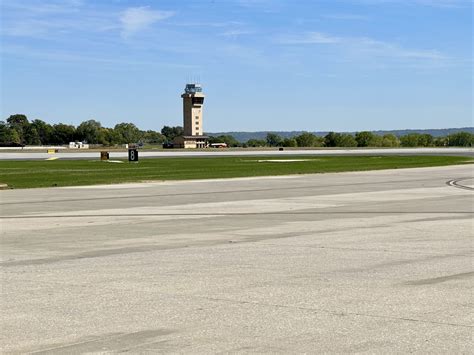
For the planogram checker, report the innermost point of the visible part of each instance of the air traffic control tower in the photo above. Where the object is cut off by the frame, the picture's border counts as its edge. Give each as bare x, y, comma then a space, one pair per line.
193, 101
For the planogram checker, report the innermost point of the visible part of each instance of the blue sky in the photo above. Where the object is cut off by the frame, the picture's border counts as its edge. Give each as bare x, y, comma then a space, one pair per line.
316, 65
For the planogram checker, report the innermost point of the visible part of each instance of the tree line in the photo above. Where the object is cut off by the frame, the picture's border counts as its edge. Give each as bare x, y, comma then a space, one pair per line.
17, 129
360, 139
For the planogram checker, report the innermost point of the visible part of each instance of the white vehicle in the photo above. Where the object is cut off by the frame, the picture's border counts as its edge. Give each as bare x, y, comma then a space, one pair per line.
218, 145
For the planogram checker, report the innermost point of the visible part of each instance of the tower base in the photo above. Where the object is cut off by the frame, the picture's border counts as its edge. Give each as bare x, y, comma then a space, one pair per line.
190, 142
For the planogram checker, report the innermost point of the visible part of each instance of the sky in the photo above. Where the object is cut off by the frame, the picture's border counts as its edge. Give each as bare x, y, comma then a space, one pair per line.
280, 65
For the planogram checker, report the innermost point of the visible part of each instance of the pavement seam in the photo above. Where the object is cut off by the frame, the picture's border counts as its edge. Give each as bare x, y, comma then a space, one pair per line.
233, 214
205, 193
365, 250
342, 314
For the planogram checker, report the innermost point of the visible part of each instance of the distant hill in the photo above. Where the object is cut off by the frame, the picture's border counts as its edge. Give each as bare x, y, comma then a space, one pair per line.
245, 136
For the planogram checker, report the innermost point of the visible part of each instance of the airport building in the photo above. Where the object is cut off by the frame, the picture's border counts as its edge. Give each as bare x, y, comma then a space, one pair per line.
193, 102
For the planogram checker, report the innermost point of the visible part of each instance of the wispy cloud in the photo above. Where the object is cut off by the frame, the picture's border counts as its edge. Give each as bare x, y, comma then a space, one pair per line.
40, 19
50, 19
43, 7
255, 3
364, 46
444, 3
268, 6
387, 49
346, 17
136, 19
64, 56
208, 24
245, 55
236, 33
433, 3
309, 38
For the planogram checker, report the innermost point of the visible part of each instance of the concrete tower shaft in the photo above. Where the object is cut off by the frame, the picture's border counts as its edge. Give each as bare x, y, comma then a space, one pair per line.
193, 102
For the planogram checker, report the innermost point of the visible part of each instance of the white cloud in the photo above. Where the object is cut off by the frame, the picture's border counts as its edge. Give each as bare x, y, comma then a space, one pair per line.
348, 17
255, 3
387, 49
267, 6
434, 3
364, 46
309, 38
48, 19
135, 19
444, 3
66, 56
209, 24
236, 33
43, 7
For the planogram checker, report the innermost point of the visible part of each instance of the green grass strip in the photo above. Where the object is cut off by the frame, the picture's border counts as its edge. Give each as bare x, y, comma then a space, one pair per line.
30, 174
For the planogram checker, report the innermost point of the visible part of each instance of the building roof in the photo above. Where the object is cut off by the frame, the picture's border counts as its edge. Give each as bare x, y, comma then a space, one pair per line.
195, 137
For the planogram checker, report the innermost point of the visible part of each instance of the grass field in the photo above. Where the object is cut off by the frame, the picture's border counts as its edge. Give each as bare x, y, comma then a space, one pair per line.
29, 174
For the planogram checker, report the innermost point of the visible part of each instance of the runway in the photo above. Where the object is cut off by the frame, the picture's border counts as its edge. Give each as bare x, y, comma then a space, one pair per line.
377, 262
6, 154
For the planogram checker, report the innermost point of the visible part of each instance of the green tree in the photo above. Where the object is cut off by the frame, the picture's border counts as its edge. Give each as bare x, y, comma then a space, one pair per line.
45, 131
461, 139
172, 132
63, 133
19, 123
425, 140
88, 131
254, 143
417, 140
346, 140
390, 140
129, 132
7, 134
105, 136
274, 140
318, 142
330, 139
410, 140
153, 137
339, 140
31, 136
289, 142
440, 141
368, 139
306, 139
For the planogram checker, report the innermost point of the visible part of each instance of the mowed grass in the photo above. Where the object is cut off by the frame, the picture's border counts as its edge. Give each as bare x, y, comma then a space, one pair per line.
29, 174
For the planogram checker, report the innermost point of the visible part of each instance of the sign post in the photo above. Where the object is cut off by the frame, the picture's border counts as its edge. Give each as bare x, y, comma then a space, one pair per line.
133, 155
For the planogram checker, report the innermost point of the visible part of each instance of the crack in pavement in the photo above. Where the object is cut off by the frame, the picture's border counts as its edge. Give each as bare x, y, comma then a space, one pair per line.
341, 314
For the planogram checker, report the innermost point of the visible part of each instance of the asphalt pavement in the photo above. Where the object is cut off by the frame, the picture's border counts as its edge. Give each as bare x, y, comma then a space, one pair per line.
376, 262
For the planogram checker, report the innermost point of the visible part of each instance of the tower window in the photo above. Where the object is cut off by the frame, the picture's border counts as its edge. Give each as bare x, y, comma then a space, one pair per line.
198, 100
